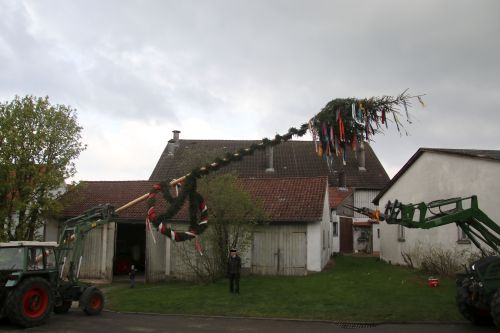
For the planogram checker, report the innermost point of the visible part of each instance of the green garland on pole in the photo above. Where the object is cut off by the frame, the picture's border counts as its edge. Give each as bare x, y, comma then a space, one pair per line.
341, 123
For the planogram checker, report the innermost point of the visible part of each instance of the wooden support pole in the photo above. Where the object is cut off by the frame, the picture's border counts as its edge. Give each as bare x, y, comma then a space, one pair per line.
145, 196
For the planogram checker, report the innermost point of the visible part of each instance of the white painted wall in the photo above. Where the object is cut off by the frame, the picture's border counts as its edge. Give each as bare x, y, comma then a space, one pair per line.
326, 226
376, 238
314, 246
364, 198
318, 246
335, 238
50, 230
436, 176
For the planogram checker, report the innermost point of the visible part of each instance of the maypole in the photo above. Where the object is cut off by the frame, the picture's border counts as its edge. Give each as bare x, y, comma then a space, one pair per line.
341, 124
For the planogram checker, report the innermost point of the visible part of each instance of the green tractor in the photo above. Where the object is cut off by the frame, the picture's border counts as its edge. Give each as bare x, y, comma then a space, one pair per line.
478, 288
38, 278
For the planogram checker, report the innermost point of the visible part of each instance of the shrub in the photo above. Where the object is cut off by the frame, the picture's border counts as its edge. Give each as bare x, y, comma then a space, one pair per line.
436, 260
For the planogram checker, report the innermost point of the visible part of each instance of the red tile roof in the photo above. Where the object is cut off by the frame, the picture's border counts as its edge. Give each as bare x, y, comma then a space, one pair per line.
89, 194
337, 195
284, 199
289, 199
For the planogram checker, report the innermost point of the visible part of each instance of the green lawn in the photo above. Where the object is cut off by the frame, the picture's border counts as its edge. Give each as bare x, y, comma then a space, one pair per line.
356, 289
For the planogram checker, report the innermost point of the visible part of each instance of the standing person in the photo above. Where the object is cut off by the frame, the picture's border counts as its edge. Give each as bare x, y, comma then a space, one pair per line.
233, 271
131, 275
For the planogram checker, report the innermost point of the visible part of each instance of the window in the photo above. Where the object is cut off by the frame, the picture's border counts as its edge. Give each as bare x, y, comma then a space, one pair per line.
35, 258
50, 258
335, 229
11, 258
378, 233
401, 233
323, 240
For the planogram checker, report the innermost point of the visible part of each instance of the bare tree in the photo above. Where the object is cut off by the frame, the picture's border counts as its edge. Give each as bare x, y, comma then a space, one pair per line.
233, 214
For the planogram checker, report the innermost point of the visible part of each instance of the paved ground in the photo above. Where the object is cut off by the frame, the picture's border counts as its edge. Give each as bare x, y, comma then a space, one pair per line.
75, 321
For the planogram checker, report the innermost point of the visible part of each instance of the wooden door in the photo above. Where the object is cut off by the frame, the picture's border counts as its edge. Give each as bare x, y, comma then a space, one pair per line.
295, 254
346, 242
264, 259
157, 247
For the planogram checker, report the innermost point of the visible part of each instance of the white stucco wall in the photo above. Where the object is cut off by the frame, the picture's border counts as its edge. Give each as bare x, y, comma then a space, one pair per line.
319, 247
335, 238
436, 176
326, 225
50, 231
376, 238
364, 198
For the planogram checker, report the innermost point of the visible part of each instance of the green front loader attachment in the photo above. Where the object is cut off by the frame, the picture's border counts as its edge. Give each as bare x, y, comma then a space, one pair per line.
464, 212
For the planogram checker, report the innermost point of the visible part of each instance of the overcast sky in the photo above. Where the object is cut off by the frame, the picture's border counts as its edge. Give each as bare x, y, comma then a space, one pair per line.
136, 70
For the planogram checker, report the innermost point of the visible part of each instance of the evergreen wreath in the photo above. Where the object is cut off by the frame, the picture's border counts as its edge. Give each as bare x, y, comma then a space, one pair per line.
197, 206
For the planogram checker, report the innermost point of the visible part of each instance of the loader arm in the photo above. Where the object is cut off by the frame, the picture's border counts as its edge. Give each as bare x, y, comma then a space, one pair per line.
473, 221
72, 239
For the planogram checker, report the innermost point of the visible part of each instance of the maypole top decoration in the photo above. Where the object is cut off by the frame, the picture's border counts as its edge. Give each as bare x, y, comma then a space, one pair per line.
350, 121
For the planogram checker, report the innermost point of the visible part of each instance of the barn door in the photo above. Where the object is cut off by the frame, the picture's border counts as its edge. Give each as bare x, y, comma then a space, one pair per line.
156, 256
279, 251
98, 253
294, 254
264, 261
346, 242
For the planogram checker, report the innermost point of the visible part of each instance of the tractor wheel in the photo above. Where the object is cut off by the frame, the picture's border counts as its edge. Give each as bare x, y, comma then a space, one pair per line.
495, 308
468, 310
92, 301
30, 303
64, 307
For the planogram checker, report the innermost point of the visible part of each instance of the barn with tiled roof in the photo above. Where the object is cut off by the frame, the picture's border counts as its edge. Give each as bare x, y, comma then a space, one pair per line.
297, 190
297, 208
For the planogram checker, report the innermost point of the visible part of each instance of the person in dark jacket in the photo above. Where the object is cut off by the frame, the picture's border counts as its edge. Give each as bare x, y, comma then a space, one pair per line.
233, 271
131, 275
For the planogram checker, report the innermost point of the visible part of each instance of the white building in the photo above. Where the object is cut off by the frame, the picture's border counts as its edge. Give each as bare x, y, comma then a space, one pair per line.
433, 174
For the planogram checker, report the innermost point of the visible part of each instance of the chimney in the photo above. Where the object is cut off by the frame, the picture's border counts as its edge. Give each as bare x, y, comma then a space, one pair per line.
173, 143
176, 135
270, 159
342, 180
360, 155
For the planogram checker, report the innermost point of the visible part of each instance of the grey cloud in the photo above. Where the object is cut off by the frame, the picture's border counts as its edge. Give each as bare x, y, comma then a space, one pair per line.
162, 60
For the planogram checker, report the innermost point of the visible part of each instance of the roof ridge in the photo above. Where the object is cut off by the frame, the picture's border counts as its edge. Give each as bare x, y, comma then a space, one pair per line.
239, 140
116, 181
282, 178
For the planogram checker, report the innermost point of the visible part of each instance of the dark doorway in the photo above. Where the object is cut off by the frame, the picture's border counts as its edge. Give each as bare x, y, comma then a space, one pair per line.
346, 242
130, 248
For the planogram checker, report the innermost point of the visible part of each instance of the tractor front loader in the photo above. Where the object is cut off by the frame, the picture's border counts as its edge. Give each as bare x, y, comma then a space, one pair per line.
478, 287
38, 278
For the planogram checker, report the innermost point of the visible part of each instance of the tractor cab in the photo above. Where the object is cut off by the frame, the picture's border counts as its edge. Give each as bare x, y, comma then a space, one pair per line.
28, 279
26, 258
